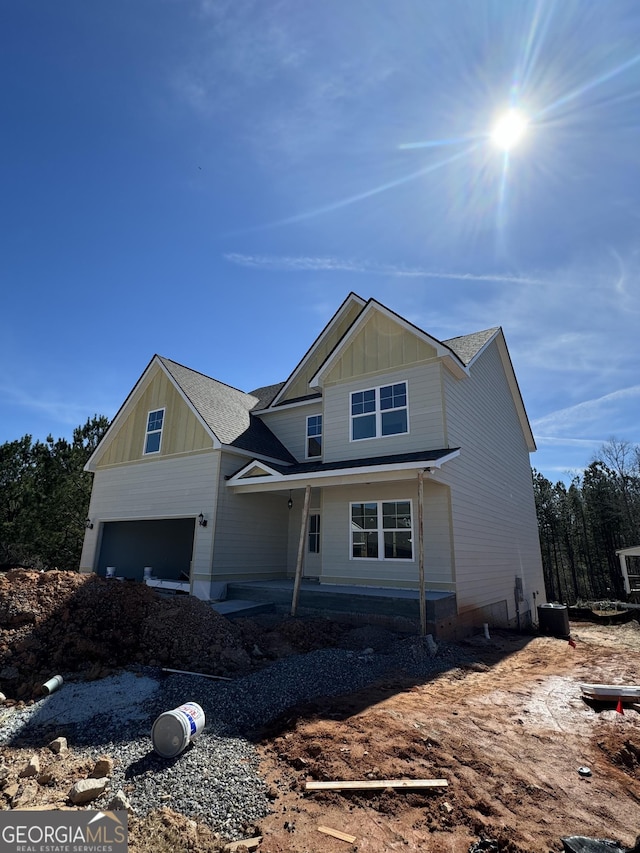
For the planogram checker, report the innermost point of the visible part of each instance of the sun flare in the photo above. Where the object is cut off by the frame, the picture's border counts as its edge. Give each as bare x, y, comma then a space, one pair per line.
509, 129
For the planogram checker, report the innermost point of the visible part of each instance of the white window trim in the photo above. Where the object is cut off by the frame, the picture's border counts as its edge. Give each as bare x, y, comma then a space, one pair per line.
306, 437
148, 432
378, 412
381, 557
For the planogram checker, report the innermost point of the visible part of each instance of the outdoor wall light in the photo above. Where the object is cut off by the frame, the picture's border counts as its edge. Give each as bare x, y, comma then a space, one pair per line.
202, 521
88, 524
289, 502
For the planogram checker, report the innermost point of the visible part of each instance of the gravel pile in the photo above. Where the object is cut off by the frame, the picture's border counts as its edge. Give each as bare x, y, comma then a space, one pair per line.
216, 778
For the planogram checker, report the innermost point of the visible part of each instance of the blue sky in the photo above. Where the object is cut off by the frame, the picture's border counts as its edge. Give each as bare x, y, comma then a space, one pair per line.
208, 179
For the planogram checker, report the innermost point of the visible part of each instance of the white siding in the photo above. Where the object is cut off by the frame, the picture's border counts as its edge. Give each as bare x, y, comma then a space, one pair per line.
426, 428
290, 426
494, 519
337, 567
251, 532
169, 488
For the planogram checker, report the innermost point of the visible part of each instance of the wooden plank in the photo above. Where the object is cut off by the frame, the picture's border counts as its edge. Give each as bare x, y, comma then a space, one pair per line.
335, 833
199, 674
301, 544
423, 603
376, 784
249, 843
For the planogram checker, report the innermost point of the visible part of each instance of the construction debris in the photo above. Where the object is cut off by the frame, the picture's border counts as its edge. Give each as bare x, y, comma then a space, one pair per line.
335, 833
376, 784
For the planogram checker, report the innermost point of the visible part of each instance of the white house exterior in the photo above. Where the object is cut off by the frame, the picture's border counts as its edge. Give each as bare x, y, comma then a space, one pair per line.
388, 459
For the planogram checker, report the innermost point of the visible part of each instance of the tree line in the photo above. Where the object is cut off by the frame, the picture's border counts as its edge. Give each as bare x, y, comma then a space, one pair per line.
44, 497
582, 525
45, 492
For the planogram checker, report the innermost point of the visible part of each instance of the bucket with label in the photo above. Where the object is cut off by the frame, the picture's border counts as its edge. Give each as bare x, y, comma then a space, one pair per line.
173, 730
111, 571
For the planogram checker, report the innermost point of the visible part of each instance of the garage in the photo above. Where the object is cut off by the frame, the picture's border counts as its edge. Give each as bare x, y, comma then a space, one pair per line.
164, 544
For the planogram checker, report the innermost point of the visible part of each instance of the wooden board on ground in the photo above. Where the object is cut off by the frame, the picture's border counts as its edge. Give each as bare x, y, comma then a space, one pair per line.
335, 833
376, 784
249, 843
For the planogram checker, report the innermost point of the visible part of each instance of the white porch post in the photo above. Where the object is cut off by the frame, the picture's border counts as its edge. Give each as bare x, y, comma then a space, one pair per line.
625, 572
423, 604
300, 562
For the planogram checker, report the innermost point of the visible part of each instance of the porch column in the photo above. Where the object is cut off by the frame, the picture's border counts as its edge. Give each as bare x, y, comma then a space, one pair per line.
625, 572
300, 562
423, 604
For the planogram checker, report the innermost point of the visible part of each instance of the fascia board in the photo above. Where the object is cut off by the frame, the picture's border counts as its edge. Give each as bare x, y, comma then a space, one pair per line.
127, 407
352, 297
514, 388
364, 471
441, 349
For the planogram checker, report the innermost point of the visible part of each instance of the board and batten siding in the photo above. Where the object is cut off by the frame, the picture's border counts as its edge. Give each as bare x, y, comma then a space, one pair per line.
182, 431
426, 423
250, 540
337, 565
179, 487
381, 345
290, 426
493, 510
300, 384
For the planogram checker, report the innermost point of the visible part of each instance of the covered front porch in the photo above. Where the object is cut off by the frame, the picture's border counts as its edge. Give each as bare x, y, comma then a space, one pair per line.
368, 549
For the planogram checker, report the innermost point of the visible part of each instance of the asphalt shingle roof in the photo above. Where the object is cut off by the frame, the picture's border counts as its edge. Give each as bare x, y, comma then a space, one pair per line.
466, 347
227, 412
425, 456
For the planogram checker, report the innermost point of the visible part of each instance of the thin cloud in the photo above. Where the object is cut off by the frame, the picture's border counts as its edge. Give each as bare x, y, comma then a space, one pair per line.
60, 411
329, 264
572, 417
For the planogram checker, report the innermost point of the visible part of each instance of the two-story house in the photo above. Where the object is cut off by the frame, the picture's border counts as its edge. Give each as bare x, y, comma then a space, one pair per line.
389, 462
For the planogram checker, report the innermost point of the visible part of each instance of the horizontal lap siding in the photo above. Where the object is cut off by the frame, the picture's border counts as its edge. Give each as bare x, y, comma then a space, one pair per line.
290, 426
426, 429
167, 488
336, 537
494, 519
251, 532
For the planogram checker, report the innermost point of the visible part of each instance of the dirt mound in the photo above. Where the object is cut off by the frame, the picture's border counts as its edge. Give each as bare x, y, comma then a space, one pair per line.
64, 622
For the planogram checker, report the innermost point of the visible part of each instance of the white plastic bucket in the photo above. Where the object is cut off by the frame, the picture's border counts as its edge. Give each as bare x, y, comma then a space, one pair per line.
111, 571
52, 684
173, 730
147, 572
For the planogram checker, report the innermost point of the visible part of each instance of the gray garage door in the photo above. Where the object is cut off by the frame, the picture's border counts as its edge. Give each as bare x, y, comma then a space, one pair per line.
166, 546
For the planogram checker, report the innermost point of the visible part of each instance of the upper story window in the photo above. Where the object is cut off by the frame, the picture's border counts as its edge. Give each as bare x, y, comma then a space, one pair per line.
379, 411
314, 436
381, 530
154, 431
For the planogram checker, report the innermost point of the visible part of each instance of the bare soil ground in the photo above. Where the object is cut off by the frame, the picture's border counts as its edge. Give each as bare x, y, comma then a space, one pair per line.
508, 733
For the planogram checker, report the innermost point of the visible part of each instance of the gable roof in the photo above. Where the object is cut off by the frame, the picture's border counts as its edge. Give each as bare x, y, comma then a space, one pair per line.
266, 394
223, 410
467, 347
227, 412
448, 355
353, 301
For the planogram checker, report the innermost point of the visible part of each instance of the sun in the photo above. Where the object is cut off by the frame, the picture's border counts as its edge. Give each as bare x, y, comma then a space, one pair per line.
509, 129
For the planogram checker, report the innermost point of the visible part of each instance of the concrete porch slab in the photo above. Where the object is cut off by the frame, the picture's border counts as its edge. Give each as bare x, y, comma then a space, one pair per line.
234, 607
350, 600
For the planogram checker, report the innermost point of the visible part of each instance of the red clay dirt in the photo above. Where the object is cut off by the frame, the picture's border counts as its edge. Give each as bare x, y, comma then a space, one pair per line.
509, 735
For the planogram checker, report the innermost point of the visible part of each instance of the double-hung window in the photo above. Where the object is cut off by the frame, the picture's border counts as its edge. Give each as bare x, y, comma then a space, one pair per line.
379, 411
314, 533
381, 530
153, 436
314, 436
